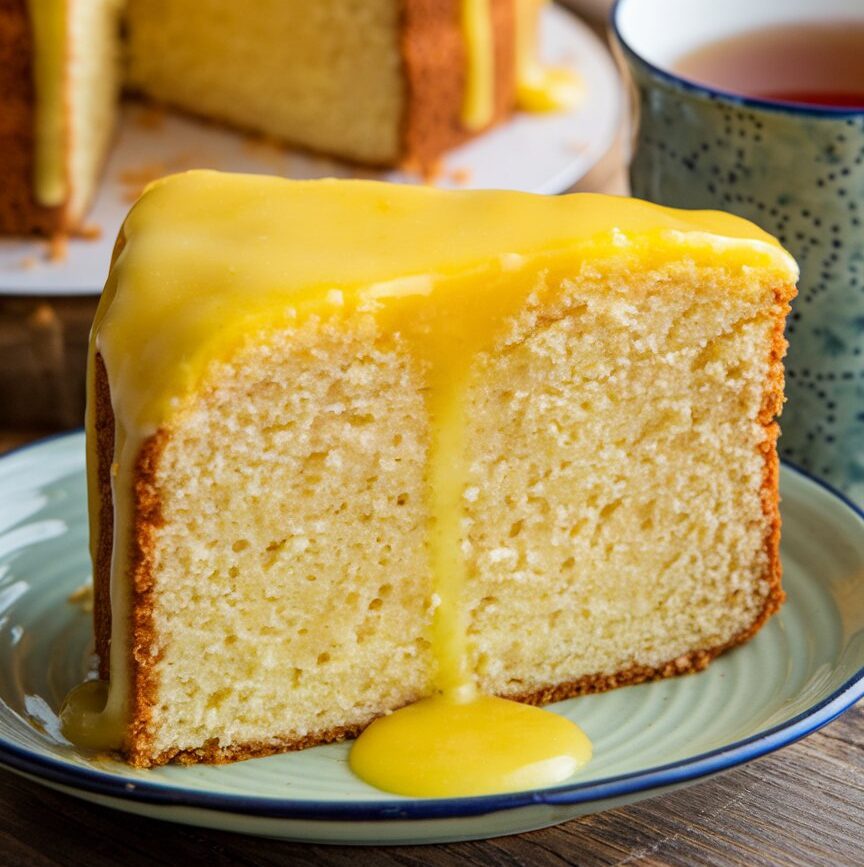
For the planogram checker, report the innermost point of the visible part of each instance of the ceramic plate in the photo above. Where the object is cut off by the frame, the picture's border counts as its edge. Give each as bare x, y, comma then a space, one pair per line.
801, 670
535, 153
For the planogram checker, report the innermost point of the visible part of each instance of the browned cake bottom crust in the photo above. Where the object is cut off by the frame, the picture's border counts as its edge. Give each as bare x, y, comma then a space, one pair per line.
20, 214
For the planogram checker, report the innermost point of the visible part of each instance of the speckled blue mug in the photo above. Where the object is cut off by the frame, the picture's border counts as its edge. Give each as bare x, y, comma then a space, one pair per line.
796, 171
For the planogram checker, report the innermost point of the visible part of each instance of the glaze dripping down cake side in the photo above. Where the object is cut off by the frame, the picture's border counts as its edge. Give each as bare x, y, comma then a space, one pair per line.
59, 82
264, 404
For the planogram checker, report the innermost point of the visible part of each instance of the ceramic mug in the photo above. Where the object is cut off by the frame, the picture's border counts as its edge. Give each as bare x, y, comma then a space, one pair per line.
796, 171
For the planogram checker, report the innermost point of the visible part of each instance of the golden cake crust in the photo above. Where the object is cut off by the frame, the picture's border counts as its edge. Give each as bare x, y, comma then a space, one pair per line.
147, 519
434, 59
20, 214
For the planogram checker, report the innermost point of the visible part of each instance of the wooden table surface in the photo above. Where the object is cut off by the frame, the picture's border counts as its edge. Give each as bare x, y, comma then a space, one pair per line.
803, 805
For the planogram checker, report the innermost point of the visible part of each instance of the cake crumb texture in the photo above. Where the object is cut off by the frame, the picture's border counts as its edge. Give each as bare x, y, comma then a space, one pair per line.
621, 517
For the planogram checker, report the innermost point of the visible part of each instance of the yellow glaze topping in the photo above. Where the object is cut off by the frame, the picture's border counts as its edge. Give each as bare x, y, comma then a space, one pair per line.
540, 88
208, 256
468, 748
478, 104
83, 720
48, 25
207, 261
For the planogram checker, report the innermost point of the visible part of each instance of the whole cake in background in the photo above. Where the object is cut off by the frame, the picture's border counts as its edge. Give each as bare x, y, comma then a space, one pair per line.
377, 82
336, 448
59, 84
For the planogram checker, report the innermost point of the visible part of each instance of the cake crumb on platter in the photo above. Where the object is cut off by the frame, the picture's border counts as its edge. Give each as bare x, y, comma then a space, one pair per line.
150, 117
58, 247
268, 149
138, 178
460, 175
82, 597
88, 232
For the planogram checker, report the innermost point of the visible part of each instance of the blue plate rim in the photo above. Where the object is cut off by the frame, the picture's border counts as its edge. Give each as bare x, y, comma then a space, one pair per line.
724, 758
716, 93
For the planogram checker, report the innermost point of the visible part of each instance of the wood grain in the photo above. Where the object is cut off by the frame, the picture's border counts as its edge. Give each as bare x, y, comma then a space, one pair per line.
803, 805
43, 355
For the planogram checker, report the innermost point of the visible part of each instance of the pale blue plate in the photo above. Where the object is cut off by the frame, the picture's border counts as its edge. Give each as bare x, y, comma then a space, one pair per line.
803, 669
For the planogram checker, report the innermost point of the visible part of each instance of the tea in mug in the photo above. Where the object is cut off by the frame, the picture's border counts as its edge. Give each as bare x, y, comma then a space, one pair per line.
810, 64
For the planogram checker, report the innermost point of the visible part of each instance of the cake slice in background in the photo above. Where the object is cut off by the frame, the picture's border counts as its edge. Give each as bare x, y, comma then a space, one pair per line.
289, 379
379, 82
59, 82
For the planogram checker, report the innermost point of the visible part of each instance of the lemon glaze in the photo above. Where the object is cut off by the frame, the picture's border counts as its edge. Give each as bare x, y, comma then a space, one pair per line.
48, 27
474, 747
207, 261
539, 88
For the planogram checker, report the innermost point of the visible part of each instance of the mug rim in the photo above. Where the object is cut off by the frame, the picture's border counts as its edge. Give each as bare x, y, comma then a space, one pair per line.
738, 99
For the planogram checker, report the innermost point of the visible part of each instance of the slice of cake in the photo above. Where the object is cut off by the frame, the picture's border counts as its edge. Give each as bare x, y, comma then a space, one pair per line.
350, 443
59, 79
379, 82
